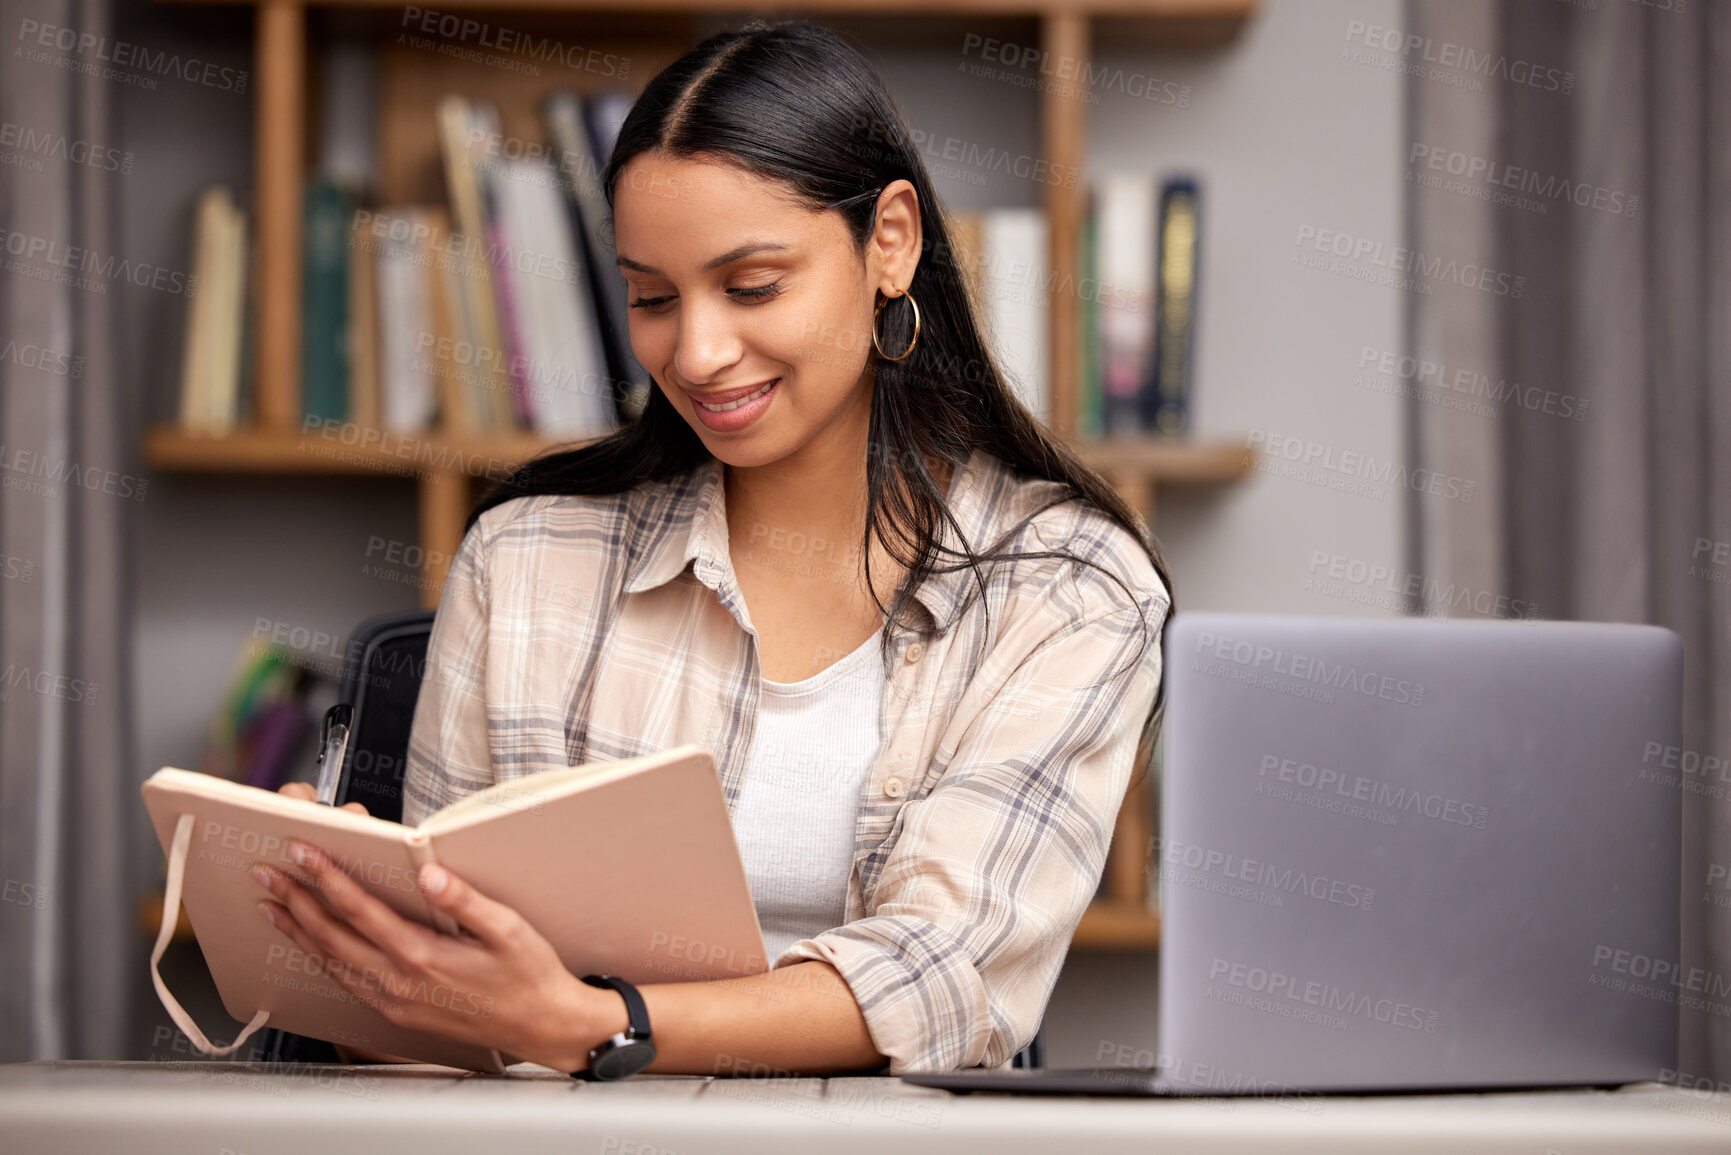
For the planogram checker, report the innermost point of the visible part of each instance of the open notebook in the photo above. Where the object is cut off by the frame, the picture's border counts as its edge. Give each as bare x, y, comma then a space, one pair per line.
628, 868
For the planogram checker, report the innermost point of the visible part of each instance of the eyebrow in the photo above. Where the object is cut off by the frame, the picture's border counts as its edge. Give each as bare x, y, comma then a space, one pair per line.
727, 258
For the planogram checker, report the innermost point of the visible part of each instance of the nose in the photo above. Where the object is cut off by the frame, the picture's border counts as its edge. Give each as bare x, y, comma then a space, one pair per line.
708, 342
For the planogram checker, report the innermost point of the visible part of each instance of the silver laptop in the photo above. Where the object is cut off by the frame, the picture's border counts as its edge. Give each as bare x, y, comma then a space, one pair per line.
1399, 854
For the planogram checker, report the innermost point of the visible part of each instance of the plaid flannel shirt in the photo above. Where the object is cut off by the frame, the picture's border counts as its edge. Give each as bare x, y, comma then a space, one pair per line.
579, 629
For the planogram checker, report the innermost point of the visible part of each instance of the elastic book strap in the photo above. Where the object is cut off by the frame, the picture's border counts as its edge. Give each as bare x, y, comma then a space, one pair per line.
171, 916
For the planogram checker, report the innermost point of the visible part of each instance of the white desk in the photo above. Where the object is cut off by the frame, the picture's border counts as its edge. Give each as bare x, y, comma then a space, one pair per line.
246, 1109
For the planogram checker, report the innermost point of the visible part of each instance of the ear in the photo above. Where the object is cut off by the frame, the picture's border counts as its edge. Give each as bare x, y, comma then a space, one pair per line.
894, 247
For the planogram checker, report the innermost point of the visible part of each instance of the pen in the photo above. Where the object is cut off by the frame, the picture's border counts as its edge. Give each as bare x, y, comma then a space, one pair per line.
333, 746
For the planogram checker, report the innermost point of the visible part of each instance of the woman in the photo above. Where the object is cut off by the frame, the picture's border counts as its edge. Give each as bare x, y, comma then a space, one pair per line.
829, 466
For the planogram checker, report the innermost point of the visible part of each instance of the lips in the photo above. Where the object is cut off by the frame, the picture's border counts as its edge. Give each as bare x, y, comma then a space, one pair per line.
730, 395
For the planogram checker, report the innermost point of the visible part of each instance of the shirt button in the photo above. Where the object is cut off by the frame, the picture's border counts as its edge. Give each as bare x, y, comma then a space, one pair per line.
894, 787
914, 652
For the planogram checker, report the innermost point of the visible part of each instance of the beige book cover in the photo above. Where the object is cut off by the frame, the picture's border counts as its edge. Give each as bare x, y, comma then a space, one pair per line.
628, 868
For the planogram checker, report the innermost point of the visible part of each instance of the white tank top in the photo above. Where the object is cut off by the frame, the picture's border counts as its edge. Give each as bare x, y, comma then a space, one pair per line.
794, 817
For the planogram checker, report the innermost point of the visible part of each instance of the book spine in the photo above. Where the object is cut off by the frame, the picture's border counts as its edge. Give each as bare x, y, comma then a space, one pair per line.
199, 316
511, 322
579, 167
224, 396
324, 301
458, 121
1017, 302
421, 852
405, 303
1166, 401
1126, 262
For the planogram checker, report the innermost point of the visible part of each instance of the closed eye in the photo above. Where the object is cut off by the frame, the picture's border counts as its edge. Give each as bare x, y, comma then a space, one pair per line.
754, 294
760, 293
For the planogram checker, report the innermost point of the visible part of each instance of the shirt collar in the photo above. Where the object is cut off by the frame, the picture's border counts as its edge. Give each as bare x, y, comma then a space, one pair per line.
693, 529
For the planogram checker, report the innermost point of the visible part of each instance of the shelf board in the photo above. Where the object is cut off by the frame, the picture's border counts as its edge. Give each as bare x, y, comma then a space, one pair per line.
349, 451
1212, 12
1113, 924
1169, 460
344, 450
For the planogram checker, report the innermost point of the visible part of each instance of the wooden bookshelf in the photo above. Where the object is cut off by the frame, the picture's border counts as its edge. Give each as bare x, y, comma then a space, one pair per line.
446, 470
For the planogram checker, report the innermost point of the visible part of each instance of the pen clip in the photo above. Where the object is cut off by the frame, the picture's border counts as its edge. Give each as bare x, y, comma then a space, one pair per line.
333, 747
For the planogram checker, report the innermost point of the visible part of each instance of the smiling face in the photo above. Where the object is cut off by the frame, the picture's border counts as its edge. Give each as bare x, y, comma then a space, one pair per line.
740, 291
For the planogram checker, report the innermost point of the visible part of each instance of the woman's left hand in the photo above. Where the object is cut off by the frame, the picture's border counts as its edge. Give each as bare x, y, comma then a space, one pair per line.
498, 984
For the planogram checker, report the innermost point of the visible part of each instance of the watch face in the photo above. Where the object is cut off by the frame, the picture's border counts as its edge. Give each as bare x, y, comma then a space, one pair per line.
623, 1059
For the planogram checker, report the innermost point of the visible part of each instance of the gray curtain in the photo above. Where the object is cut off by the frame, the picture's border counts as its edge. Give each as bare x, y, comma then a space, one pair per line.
1614, 514
67, 945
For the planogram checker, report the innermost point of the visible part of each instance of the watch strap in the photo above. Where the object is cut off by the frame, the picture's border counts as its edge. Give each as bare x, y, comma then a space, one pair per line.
636, 1010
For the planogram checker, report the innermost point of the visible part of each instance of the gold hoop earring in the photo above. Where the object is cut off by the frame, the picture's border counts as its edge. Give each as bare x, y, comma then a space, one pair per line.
912, 341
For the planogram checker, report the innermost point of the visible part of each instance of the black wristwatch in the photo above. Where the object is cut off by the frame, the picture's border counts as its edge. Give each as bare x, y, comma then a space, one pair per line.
627, 1052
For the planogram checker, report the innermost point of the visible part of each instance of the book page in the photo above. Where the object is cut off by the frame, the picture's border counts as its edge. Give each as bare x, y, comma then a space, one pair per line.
524, 793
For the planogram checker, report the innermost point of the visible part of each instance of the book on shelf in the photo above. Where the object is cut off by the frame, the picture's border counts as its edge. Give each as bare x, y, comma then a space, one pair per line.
327, 210
1018, 300
1139, 266
408, 295
562, 359
1003, 259
604, 115
581, 133
461, 123
550, 846
213, 346
333, 305
1124, 257
513, 340
446, 351
496, 310
1167, 400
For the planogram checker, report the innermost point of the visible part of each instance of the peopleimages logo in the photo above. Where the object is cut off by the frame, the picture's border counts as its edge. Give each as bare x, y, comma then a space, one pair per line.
1325, 997
1350, 470
1258, 873
1266, 660
1458, 58
1691, 988
1357, 788
1376, 261
58, 147
1471, 383
124, 54
1493, 176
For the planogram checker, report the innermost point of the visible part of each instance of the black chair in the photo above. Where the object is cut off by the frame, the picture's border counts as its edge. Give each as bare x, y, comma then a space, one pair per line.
382, 671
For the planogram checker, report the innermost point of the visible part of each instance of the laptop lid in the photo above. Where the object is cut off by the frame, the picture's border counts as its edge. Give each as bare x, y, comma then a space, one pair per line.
1411, 853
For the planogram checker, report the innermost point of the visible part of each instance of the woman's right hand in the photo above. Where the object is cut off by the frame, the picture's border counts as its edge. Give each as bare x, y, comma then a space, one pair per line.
306, 793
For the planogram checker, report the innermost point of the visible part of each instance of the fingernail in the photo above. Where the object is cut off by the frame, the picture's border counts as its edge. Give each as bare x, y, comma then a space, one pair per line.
301, 853
433, 879
261, 876
269, 911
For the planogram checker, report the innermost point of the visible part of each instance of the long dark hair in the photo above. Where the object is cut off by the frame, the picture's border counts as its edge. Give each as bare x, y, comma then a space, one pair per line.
794, 102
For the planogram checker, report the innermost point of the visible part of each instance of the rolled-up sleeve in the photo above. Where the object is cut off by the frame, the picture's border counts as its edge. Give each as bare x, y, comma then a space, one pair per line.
448, 755
972, 914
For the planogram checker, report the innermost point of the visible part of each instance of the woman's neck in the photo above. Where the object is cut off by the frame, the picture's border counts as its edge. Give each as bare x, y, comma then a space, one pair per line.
821, 497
